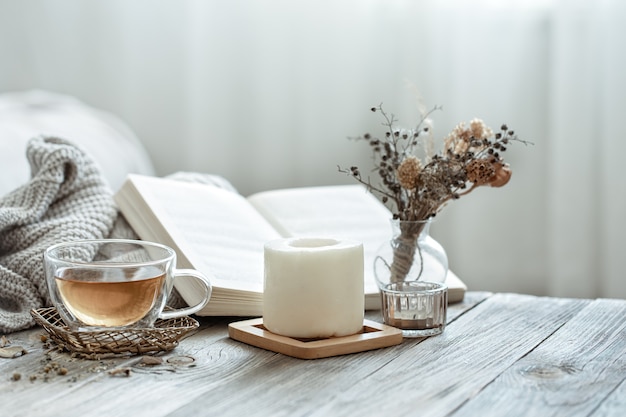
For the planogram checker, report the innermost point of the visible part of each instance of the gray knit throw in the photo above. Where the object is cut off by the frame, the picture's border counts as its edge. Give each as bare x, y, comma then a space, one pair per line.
66, 199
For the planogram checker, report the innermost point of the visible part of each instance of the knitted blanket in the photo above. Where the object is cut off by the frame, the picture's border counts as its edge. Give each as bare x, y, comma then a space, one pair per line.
66, 199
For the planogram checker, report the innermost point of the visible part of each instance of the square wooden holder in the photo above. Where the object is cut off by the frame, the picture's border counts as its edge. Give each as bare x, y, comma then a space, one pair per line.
373, 336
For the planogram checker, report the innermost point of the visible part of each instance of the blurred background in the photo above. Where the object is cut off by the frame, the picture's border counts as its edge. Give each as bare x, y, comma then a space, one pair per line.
266, 92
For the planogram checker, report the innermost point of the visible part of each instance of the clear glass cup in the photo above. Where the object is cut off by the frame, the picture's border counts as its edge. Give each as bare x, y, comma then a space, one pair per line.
115, 283
419, 308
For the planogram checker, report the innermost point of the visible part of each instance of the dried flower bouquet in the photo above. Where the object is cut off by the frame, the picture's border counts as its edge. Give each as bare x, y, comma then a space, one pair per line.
416, 189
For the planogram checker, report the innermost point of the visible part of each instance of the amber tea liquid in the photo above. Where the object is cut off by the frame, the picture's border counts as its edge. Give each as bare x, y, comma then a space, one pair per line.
111, 298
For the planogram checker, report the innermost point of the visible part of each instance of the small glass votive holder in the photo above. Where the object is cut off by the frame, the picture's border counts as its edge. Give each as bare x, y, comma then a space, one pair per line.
418, 308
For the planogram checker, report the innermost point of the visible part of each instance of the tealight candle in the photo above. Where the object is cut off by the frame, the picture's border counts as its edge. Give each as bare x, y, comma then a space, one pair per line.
313, 287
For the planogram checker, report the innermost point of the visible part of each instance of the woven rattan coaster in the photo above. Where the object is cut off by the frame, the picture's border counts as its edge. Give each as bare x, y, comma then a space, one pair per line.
100, 344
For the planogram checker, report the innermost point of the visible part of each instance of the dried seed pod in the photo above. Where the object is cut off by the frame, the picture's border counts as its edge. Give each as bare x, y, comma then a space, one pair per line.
480, 171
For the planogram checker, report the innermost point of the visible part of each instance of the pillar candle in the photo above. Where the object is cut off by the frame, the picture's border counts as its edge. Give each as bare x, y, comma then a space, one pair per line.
313, 287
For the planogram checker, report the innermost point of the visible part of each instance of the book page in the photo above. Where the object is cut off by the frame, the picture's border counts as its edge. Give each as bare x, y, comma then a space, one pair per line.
215, 231
341, 212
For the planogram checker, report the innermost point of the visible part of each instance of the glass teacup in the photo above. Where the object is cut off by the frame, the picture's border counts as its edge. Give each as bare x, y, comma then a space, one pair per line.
115, 283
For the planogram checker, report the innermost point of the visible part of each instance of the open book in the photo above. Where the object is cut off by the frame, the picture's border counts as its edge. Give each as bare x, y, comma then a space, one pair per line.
221, 233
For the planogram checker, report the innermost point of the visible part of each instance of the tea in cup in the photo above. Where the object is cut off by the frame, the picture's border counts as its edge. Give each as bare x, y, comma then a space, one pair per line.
115, 283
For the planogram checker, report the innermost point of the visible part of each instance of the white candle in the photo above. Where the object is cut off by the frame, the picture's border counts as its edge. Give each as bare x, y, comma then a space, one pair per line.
313, 287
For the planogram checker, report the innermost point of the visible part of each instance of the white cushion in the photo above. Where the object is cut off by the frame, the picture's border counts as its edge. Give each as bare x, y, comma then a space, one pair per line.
106, 138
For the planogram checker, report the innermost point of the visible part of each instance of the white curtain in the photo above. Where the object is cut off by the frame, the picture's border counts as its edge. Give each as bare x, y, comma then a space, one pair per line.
266, 92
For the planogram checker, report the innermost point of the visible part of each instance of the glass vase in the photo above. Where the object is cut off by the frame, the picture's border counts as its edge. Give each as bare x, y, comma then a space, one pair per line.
410, 271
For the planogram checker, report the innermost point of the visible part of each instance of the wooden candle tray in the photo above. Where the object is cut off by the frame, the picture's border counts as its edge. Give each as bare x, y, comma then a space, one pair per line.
373, 336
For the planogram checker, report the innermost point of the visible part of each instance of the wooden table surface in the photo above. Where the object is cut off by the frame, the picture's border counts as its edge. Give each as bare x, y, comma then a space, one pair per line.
501, 354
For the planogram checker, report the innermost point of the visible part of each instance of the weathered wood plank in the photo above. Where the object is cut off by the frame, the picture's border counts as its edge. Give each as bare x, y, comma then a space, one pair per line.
615, 403
567, 374
442, 373
42, 366
217, 361
46, 395
436, 374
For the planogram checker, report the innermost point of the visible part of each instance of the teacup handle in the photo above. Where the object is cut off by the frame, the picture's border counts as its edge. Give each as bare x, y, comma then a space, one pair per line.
180, 312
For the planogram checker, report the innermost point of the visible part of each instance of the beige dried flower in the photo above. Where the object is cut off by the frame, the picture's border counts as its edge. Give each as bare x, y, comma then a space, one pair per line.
409, 172
458, 140
478, 129
461, 132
